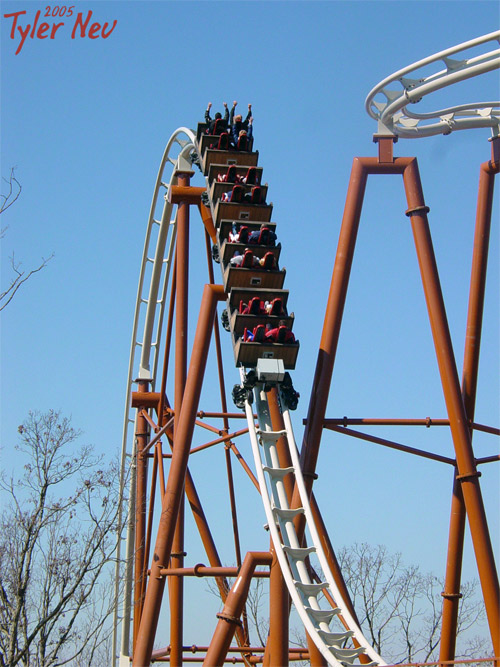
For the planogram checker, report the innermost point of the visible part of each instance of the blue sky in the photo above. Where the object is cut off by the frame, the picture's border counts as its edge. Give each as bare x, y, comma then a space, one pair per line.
85, 122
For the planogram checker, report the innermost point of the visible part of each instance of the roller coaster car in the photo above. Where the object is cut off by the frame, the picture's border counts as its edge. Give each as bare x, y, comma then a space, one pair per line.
228, 249
221, 173
242, 212
239, 322
226, 226
244, 295
257, 192
220, 126
256, 306
247, 353
254, 277
212, 141
226, 158
201, 130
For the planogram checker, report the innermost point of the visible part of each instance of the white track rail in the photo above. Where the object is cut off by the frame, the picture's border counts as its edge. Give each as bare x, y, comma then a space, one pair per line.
335, 644
389, 105
157, 260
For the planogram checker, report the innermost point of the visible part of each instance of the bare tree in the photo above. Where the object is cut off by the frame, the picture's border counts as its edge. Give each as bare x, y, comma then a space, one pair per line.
57, 543
399, 608
19, 277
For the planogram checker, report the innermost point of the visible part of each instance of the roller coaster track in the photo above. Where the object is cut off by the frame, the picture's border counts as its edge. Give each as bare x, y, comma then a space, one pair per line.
389, 105
157, 259
308, 596
313, 589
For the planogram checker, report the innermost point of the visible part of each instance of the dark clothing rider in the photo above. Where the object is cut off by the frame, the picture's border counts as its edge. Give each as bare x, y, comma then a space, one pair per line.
218, 116
237, 123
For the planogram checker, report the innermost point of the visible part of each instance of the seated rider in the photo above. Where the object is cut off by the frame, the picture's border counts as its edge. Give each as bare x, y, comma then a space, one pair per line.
280, 333
237, 259
238, 234
217, 117
236, 136
238, 124
268, 238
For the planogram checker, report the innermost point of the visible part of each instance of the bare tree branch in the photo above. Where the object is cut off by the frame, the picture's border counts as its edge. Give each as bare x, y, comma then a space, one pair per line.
19, 279
57, 551
19, 276
399, 608
13, 193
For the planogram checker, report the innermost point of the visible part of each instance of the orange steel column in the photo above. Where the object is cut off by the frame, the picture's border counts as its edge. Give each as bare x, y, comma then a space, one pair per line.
451, 593
175, 483
468, 475
176, 583
329, 341
142, 437
229, 618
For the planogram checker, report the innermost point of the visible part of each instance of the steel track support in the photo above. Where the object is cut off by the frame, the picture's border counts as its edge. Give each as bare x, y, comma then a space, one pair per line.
175, 482
152, 400
229, 618
451, 593
329, 341
142, 437
468, 474
176, 584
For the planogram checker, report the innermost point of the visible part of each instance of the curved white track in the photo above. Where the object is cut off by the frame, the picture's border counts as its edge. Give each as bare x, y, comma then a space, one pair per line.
334, 643
389, 105
143, 360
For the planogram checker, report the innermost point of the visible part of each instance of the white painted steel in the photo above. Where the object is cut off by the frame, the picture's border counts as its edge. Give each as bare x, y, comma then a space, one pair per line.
394, 116
304, 593
149, 311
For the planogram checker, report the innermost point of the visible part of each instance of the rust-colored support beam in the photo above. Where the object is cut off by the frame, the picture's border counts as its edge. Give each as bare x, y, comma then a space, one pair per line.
468, 475
141, 436
148, 399
385, 146
330, 335
363, 421
245, 466
204, 571
154, 473
389, 443
229, 618
166, 354
206, 217
427, 422
205, 535
176, 477
294, 653
333, 319
185, 193
451, 593
176, 584
361, 168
